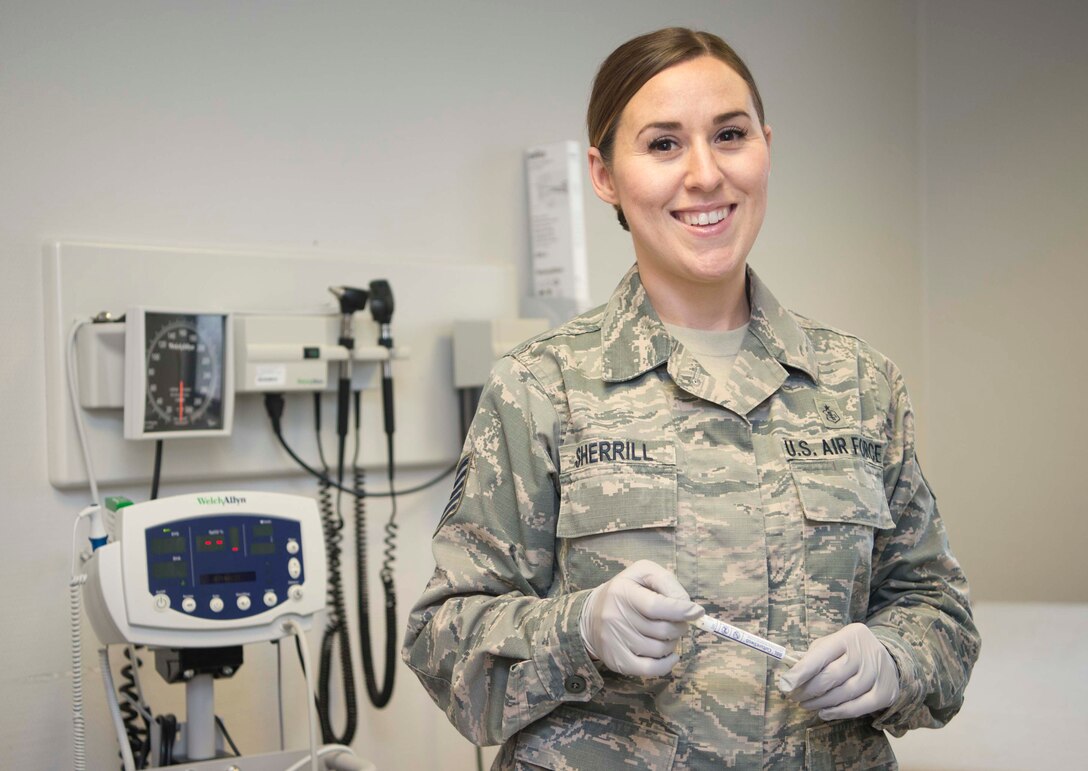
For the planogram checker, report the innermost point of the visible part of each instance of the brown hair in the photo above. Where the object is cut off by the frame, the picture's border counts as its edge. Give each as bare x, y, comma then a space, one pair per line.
629, 67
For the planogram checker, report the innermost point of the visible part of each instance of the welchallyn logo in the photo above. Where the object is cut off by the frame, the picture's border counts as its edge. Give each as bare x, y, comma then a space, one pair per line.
219, 500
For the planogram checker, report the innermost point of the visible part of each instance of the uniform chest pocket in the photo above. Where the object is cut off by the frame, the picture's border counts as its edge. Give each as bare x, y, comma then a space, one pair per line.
614, 513
843, 506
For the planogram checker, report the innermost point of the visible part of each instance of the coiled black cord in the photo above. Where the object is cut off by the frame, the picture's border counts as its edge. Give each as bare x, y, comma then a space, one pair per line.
336, 628
138, 736
378, 697
168, 731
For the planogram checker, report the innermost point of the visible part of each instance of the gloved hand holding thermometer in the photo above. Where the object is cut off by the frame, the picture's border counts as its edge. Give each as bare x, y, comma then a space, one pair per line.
633, 622
848, 673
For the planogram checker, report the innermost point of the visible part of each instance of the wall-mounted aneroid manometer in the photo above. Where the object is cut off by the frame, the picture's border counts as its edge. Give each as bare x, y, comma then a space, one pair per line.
178, 374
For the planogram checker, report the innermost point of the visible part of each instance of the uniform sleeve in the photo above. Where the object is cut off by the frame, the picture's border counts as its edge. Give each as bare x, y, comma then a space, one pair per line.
919, 607
489, 644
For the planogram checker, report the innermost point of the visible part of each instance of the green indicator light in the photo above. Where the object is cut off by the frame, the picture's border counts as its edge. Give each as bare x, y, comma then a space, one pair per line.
117, 502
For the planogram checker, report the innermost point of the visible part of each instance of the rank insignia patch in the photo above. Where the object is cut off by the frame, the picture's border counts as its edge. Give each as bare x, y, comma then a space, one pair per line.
830, 413
458, 493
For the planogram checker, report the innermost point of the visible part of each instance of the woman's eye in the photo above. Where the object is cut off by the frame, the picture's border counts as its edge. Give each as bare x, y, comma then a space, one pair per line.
663, 145
731, 134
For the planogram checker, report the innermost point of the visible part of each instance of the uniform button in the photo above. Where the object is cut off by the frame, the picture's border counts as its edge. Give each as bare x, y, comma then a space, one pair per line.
575, 684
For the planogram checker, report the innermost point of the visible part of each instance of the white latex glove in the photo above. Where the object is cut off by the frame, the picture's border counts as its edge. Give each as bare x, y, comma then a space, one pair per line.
848, 673
633, 622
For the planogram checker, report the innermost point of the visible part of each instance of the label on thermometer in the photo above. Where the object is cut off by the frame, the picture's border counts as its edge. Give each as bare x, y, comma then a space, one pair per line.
730, 632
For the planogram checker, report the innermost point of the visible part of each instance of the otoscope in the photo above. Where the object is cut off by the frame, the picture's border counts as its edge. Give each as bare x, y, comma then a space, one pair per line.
381, 308
351, 300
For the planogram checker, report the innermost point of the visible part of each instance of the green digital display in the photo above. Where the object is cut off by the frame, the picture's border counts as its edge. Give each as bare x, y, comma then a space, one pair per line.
263, 548
169, 570
168, 545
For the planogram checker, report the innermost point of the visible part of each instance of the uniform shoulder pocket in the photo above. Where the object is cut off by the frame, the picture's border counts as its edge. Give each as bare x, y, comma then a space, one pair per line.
571, 739
844, 489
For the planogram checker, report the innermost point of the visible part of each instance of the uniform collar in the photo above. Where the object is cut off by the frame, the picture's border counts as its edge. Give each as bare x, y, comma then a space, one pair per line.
635, 341
778, 330
632, 335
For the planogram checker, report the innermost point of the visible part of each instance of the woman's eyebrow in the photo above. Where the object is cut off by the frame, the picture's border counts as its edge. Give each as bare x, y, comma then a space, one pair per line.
660, 126
725, 117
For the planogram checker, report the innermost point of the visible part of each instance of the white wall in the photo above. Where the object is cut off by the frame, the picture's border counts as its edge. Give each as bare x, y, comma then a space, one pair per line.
396, 129
1006, 325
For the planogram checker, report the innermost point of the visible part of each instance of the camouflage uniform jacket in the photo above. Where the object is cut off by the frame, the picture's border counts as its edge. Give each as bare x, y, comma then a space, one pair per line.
788, 501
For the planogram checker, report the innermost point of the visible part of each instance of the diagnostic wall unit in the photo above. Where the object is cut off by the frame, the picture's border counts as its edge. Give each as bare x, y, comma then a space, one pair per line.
83, 279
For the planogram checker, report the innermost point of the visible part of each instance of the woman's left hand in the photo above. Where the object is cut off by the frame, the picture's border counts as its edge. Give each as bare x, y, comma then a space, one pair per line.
848, 673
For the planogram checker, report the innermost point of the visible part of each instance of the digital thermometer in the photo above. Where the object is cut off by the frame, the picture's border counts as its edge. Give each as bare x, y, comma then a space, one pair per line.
730, 632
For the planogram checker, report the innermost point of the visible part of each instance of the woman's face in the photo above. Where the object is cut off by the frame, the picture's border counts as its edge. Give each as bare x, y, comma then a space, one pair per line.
689, 169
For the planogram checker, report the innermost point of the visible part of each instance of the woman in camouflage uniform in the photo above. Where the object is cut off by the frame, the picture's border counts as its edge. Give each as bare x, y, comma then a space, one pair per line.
689, 446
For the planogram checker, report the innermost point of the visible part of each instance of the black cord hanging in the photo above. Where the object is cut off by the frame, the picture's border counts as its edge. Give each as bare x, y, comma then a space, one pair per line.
336, 629
378, 697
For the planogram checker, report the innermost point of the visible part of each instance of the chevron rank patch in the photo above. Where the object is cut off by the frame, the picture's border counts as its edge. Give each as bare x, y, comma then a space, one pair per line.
459, 480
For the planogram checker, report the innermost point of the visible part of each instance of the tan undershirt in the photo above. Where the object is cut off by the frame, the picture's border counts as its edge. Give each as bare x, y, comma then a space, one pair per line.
715, 350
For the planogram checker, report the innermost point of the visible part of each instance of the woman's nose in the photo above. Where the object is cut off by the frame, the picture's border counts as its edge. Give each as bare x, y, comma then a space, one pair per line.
703, 172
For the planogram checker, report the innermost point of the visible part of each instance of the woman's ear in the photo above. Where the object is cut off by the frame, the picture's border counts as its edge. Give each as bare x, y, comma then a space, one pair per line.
601, 177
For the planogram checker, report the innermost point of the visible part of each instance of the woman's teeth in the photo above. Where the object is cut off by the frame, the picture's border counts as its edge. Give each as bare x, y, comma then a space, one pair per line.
702, 218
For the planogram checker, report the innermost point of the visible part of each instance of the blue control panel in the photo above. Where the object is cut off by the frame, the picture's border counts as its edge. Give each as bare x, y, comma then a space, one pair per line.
224, 566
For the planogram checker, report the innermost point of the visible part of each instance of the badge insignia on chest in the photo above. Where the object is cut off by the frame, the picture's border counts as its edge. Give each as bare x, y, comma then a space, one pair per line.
830, 412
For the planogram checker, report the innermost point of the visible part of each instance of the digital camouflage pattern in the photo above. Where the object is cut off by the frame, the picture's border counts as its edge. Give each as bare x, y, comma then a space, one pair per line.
788, 501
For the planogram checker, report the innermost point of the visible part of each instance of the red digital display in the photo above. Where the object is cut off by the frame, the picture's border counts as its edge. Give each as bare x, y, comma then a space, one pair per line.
213, 541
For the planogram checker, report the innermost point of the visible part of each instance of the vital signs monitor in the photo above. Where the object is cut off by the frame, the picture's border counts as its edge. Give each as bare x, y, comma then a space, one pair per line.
208, 570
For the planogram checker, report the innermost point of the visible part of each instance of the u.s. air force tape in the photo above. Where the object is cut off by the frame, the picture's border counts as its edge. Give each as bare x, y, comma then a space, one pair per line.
458, 492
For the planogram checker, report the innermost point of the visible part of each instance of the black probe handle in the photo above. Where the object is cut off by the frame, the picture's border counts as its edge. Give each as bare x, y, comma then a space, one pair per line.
343, 410
387, 402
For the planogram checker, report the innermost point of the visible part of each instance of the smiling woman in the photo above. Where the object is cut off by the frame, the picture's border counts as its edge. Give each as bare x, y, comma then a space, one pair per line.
691, 447
688, 171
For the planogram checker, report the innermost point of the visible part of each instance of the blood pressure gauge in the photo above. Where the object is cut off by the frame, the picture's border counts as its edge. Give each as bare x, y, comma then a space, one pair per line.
178, 374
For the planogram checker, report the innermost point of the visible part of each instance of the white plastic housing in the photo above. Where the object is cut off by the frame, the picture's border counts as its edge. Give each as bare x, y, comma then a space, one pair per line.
122, 609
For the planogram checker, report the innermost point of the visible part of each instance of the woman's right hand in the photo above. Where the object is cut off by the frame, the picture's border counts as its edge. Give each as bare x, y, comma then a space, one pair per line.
633, 622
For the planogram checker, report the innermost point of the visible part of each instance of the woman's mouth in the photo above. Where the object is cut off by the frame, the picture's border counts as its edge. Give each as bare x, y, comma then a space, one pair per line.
704, 218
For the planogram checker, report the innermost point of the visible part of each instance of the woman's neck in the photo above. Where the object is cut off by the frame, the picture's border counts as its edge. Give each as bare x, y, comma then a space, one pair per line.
718, 305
